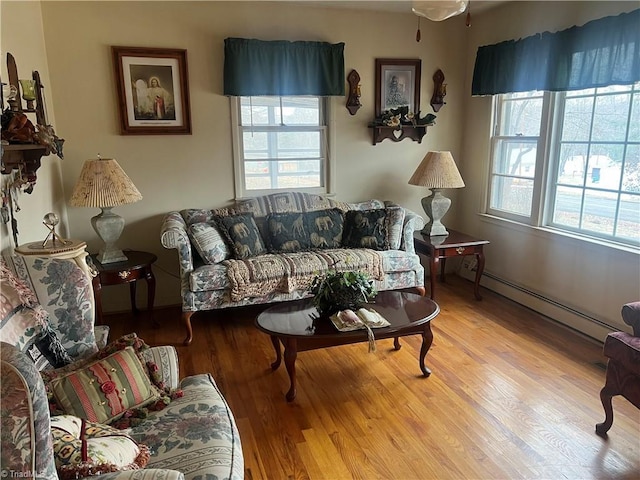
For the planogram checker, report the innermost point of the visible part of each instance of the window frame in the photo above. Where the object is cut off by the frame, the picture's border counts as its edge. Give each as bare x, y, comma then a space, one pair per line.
326, 169
546, 182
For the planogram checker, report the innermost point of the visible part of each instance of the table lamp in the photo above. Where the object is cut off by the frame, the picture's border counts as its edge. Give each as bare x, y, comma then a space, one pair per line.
104, 185
436, 171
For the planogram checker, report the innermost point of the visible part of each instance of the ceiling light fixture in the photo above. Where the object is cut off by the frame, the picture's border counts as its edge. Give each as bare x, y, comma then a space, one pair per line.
438, 10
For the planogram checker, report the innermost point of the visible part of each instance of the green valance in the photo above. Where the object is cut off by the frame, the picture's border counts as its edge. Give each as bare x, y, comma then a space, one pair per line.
256, 67
600, 53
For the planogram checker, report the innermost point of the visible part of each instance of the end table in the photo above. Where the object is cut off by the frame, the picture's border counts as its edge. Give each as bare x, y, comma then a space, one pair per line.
136, 267
74, 249
456, 244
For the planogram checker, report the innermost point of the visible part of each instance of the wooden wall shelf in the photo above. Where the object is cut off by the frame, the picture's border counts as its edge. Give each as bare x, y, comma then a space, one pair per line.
26, 157
395, 134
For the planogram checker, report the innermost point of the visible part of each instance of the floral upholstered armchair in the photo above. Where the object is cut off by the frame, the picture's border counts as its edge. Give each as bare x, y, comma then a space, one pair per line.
47, 321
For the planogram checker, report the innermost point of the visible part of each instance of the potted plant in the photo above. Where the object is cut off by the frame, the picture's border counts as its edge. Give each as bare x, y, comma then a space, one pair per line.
337, 291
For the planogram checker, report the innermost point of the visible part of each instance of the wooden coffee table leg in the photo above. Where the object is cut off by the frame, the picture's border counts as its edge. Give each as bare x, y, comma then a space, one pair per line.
396, 343
276, 346
427, 339
290, 355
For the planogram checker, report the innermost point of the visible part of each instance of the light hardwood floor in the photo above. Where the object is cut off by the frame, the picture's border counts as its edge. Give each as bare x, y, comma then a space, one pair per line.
511, 395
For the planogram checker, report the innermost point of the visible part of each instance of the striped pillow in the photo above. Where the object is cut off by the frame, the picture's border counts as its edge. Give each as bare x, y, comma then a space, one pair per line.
102, 391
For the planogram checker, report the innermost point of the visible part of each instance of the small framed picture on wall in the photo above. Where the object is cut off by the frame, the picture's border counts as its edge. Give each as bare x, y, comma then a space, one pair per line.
397, 84
153, 90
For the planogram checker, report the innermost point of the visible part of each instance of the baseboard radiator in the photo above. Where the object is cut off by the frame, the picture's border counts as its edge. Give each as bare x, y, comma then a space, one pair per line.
554, 310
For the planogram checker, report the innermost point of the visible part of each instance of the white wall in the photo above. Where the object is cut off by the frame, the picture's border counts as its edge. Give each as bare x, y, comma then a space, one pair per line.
578, 282
175, 172
23, 37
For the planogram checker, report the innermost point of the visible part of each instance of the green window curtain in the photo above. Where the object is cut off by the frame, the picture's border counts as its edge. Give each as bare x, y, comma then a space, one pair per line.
256, 67
600, 53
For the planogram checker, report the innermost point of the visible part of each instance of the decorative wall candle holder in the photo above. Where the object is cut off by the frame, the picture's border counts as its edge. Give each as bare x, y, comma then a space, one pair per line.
28, 92
439, 91
353, 100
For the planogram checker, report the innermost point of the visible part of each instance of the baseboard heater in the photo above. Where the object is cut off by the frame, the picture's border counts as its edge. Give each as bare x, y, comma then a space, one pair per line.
556, 311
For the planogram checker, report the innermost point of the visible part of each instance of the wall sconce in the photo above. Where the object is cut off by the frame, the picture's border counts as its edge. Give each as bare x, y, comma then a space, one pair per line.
353, 100
439, 91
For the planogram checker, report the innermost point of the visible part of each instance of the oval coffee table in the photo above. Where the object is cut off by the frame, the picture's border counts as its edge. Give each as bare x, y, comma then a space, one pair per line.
299, 327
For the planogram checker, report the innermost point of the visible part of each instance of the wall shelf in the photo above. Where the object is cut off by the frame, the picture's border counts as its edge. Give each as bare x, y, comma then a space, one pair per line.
396, 134
25, 157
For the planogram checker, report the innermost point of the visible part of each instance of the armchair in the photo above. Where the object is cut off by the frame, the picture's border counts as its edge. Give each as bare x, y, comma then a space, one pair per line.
623, 367
194, 437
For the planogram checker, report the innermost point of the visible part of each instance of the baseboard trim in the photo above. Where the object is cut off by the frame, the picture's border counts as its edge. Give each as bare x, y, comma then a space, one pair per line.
577, 320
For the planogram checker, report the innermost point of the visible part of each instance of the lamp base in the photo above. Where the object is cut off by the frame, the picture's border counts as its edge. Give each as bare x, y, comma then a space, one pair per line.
435, 206
109, 227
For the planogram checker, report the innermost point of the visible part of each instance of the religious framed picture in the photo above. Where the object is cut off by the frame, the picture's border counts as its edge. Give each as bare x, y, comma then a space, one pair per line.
153, 90
397, 84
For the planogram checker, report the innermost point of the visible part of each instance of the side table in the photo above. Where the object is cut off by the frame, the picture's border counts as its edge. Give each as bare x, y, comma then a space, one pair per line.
74, 249
136, 267
456, 244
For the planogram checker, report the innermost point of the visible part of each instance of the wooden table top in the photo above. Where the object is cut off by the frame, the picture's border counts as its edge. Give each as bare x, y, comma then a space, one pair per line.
300, 318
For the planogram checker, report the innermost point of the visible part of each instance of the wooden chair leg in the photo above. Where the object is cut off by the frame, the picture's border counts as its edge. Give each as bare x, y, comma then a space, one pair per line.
605, 398
186, 320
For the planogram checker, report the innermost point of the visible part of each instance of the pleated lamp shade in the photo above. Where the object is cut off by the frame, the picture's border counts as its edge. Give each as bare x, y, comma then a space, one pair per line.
103, 183
437, 170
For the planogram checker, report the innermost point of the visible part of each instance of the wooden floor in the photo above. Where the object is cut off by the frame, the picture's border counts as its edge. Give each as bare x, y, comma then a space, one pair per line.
511, 396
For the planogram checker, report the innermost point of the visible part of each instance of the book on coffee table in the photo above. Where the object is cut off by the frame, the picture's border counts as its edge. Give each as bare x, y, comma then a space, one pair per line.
348, 320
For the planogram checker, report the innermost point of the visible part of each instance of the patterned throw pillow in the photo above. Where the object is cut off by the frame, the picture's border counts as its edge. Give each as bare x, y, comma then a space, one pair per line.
325, 228
24, 323
104, 390
82, 449
209, 242
366, 229
242, 235
287, 232
395, 225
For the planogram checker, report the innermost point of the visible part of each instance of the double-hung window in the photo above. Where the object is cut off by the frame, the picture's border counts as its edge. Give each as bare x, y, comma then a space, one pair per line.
569, 161
281, 143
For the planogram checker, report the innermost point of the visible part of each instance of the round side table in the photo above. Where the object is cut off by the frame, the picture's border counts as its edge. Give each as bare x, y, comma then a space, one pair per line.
75, 249
136, 267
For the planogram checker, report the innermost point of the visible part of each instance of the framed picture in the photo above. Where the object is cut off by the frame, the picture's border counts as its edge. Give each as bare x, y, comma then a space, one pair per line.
397, 84
153, 90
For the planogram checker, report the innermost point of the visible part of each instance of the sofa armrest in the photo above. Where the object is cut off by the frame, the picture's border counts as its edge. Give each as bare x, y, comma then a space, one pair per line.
631, 316
144, 474
25, 422
173, 234
166, 358
412, 222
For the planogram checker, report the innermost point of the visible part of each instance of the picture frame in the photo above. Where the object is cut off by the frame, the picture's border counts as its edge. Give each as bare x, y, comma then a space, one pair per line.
153, 90
397, 84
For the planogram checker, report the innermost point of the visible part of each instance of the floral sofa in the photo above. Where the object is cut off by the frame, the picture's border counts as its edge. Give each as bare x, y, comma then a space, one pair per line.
194, 436
269, 248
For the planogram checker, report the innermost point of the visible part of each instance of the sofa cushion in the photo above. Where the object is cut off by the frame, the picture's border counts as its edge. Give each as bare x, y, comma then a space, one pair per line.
395, 225
24, 323
208, 241
366, 229
103, 390
325, 228
287, 232
196, 434
242, 235
83, 449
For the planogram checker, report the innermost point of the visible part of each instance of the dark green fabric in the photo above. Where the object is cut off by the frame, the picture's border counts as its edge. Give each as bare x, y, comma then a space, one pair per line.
242, 235
366, 229
325, 228
600, 53
256, 67
287, 233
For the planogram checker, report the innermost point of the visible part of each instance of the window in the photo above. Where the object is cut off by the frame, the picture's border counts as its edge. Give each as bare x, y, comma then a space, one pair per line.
281, 143
569, 160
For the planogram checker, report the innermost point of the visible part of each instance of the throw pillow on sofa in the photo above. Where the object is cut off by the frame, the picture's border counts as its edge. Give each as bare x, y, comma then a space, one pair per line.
209, 242
325, 228
82, 449
366, 229
24, 323
105, 389
242, 235
286, 233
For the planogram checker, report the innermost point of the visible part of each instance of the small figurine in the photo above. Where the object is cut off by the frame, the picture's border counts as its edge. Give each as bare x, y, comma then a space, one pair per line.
50, 221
